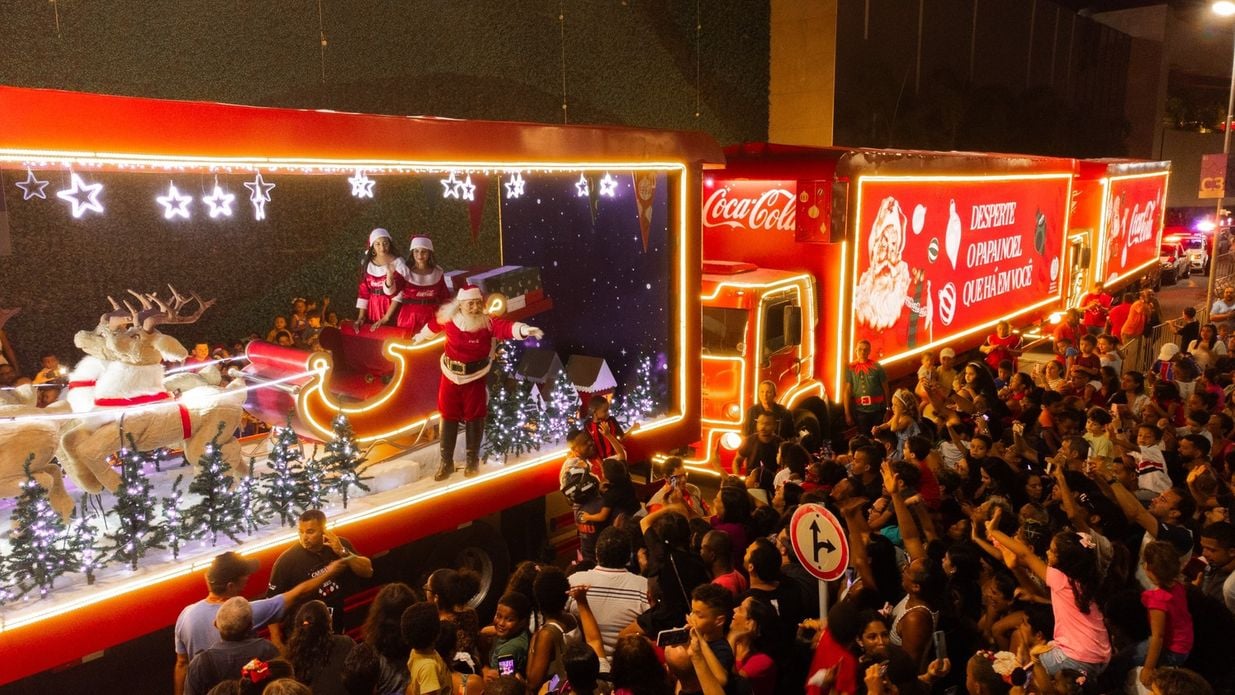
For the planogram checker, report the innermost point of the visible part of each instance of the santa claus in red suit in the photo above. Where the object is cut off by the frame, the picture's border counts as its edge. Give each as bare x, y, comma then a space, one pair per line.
892, 303
462, 395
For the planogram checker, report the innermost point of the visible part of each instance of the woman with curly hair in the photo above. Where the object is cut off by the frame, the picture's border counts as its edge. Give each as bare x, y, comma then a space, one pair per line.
316, 653
451, 590
383, 632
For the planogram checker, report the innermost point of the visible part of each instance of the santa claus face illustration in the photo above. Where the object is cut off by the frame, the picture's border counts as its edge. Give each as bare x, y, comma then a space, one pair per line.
880, 295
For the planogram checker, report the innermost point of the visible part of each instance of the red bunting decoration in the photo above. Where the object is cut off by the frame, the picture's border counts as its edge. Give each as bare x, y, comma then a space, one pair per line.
645, 193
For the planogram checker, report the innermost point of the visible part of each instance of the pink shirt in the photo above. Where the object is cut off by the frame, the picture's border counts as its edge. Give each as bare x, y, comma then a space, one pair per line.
1173, 602
760, 670
1081, 636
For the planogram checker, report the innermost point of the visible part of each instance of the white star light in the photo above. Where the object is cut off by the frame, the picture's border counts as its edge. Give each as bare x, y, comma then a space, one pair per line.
220, 202
581, 188
260, 195
467, 189
174, 204
608, 186
514, 187
451, 184
362, 186
77, 188
32, 187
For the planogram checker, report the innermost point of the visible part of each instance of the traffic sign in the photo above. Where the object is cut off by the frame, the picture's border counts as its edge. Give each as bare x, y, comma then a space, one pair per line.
819, 542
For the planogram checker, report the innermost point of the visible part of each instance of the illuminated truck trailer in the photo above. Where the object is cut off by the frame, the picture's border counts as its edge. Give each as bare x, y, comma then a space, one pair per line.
808, 251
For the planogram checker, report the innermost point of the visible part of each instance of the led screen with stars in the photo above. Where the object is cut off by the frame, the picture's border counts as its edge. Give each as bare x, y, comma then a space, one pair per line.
610, 297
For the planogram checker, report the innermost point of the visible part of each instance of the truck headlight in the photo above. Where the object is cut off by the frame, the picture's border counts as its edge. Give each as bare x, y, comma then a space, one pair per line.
733, 411
731, 440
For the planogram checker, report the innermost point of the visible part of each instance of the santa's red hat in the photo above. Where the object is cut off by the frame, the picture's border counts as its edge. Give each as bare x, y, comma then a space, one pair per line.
469, 292
422, 242
378, 233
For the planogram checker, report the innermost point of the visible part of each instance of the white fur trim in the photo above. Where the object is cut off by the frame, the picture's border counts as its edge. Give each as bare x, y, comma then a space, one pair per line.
376, 234
447, 311
469, 293
422, 242
424, 279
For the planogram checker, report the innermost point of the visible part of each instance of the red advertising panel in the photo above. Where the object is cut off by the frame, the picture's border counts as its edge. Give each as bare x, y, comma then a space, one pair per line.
936, 258
1134, 211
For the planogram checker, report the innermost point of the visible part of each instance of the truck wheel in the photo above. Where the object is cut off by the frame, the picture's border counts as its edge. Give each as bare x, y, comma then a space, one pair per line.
479, 548
814, 416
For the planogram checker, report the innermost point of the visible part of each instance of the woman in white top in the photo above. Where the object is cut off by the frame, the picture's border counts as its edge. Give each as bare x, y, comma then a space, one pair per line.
1207, 349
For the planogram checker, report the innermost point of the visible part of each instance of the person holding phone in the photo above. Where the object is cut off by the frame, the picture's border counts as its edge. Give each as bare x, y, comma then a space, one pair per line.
508, 656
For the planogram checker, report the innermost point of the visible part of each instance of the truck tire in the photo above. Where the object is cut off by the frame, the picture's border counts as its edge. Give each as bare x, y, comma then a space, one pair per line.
814, 416
477, 547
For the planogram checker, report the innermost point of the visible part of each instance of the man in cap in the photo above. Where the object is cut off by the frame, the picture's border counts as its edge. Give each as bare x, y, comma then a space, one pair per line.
237, 647
225, 579
462, 395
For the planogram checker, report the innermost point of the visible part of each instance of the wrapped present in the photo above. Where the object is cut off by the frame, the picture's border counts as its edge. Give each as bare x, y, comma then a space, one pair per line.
456, 279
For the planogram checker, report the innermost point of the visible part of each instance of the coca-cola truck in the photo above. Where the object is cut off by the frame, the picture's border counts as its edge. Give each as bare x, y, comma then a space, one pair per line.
809, 250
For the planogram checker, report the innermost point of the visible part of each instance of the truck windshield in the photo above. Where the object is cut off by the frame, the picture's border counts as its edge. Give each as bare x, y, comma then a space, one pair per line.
723, 329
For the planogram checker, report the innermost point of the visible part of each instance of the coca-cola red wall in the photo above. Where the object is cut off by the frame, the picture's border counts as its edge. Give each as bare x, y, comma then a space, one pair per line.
936, 259
1133, 223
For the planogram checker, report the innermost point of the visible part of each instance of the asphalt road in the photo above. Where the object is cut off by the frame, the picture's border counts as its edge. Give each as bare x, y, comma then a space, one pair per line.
1188, 292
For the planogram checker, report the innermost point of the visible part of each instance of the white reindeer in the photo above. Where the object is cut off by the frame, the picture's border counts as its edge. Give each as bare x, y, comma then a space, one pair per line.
130, 394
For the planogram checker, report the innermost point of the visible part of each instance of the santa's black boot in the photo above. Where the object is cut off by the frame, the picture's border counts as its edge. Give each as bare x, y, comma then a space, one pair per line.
475, 430
450, 434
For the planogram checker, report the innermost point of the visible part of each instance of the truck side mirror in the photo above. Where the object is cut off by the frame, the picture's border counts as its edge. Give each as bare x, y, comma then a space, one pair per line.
793, 325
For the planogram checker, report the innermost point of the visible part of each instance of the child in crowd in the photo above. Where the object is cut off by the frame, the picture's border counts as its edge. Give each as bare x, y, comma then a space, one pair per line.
601, 423
429, 674
1100, 446
510, 636
1170, 623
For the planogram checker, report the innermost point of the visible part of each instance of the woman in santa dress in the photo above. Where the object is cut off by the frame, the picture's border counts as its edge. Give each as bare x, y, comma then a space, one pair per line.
380, 282
424, 286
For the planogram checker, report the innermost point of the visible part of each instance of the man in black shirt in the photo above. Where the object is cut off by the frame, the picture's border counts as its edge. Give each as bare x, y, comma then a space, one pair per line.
757, 454
310, 557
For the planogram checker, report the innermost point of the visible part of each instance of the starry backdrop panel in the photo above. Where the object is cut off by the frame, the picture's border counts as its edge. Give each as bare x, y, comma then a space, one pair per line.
611, 298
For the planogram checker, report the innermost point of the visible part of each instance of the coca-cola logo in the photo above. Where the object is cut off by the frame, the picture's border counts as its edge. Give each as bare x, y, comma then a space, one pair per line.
768, 210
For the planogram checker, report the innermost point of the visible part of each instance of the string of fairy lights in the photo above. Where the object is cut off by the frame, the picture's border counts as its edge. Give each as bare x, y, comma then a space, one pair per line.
85, 196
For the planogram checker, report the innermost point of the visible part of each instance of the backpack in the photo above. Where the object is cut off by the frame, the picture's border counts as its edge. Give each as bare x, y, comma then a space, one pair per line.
579, 485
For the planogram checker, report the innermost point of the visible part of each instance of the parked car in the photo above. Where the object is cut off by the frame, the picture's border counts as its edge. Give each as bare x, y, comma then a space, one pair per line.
1173, 261
1197, 248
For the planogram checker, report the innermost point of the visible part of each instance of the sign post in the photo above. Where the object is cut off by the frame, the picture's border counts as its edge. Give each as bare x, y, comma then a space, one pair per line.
820, 545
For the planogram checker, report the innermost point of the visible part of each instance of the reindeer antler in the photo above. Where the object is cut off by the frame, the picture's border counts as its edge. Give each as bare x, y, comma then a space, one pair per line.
116, 318
172, 314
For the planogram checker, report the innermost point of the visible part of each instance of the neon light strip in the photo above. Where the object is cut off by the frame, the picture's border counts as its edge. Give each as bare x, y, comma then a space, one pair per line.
842, 355
1102, 250
741, 390
1108, 189
61, 158
225, 393
1056, 298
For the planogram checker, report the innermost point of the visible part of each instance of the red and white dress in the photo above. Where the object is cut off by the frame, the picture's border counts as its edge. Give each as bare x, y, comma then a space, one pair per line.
1003, 350
373, 295
462, 394
422, 294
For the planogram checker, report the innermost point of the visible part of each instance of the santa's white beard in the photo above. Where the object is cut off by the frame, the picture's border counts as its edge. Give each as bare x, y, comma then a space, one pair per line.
880, 297
469, 323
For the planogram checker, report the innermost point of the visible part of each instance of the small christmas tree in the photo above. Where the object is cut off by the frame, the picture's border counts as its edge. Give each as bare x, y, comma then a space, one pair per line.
639, 399
218, 510
175, 523
511, 428
250, 501
137, 532
561, 413
343, 458
312, 484
39, 553
279, 488
81, 538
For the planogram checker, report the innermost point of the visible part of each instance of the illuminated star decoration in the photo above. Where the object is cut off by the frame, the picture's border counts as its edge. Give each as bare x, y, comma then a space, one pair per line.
174, 203
608, 186
32, 187
260, 191
514, 187
581, 187
219, 201
76, 189
466, 189
362, 186
451, 184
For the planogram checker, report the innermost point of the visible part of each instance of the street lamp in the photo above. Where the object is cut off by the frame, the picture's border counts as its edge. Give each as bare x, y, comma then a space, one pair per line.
1222, 8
